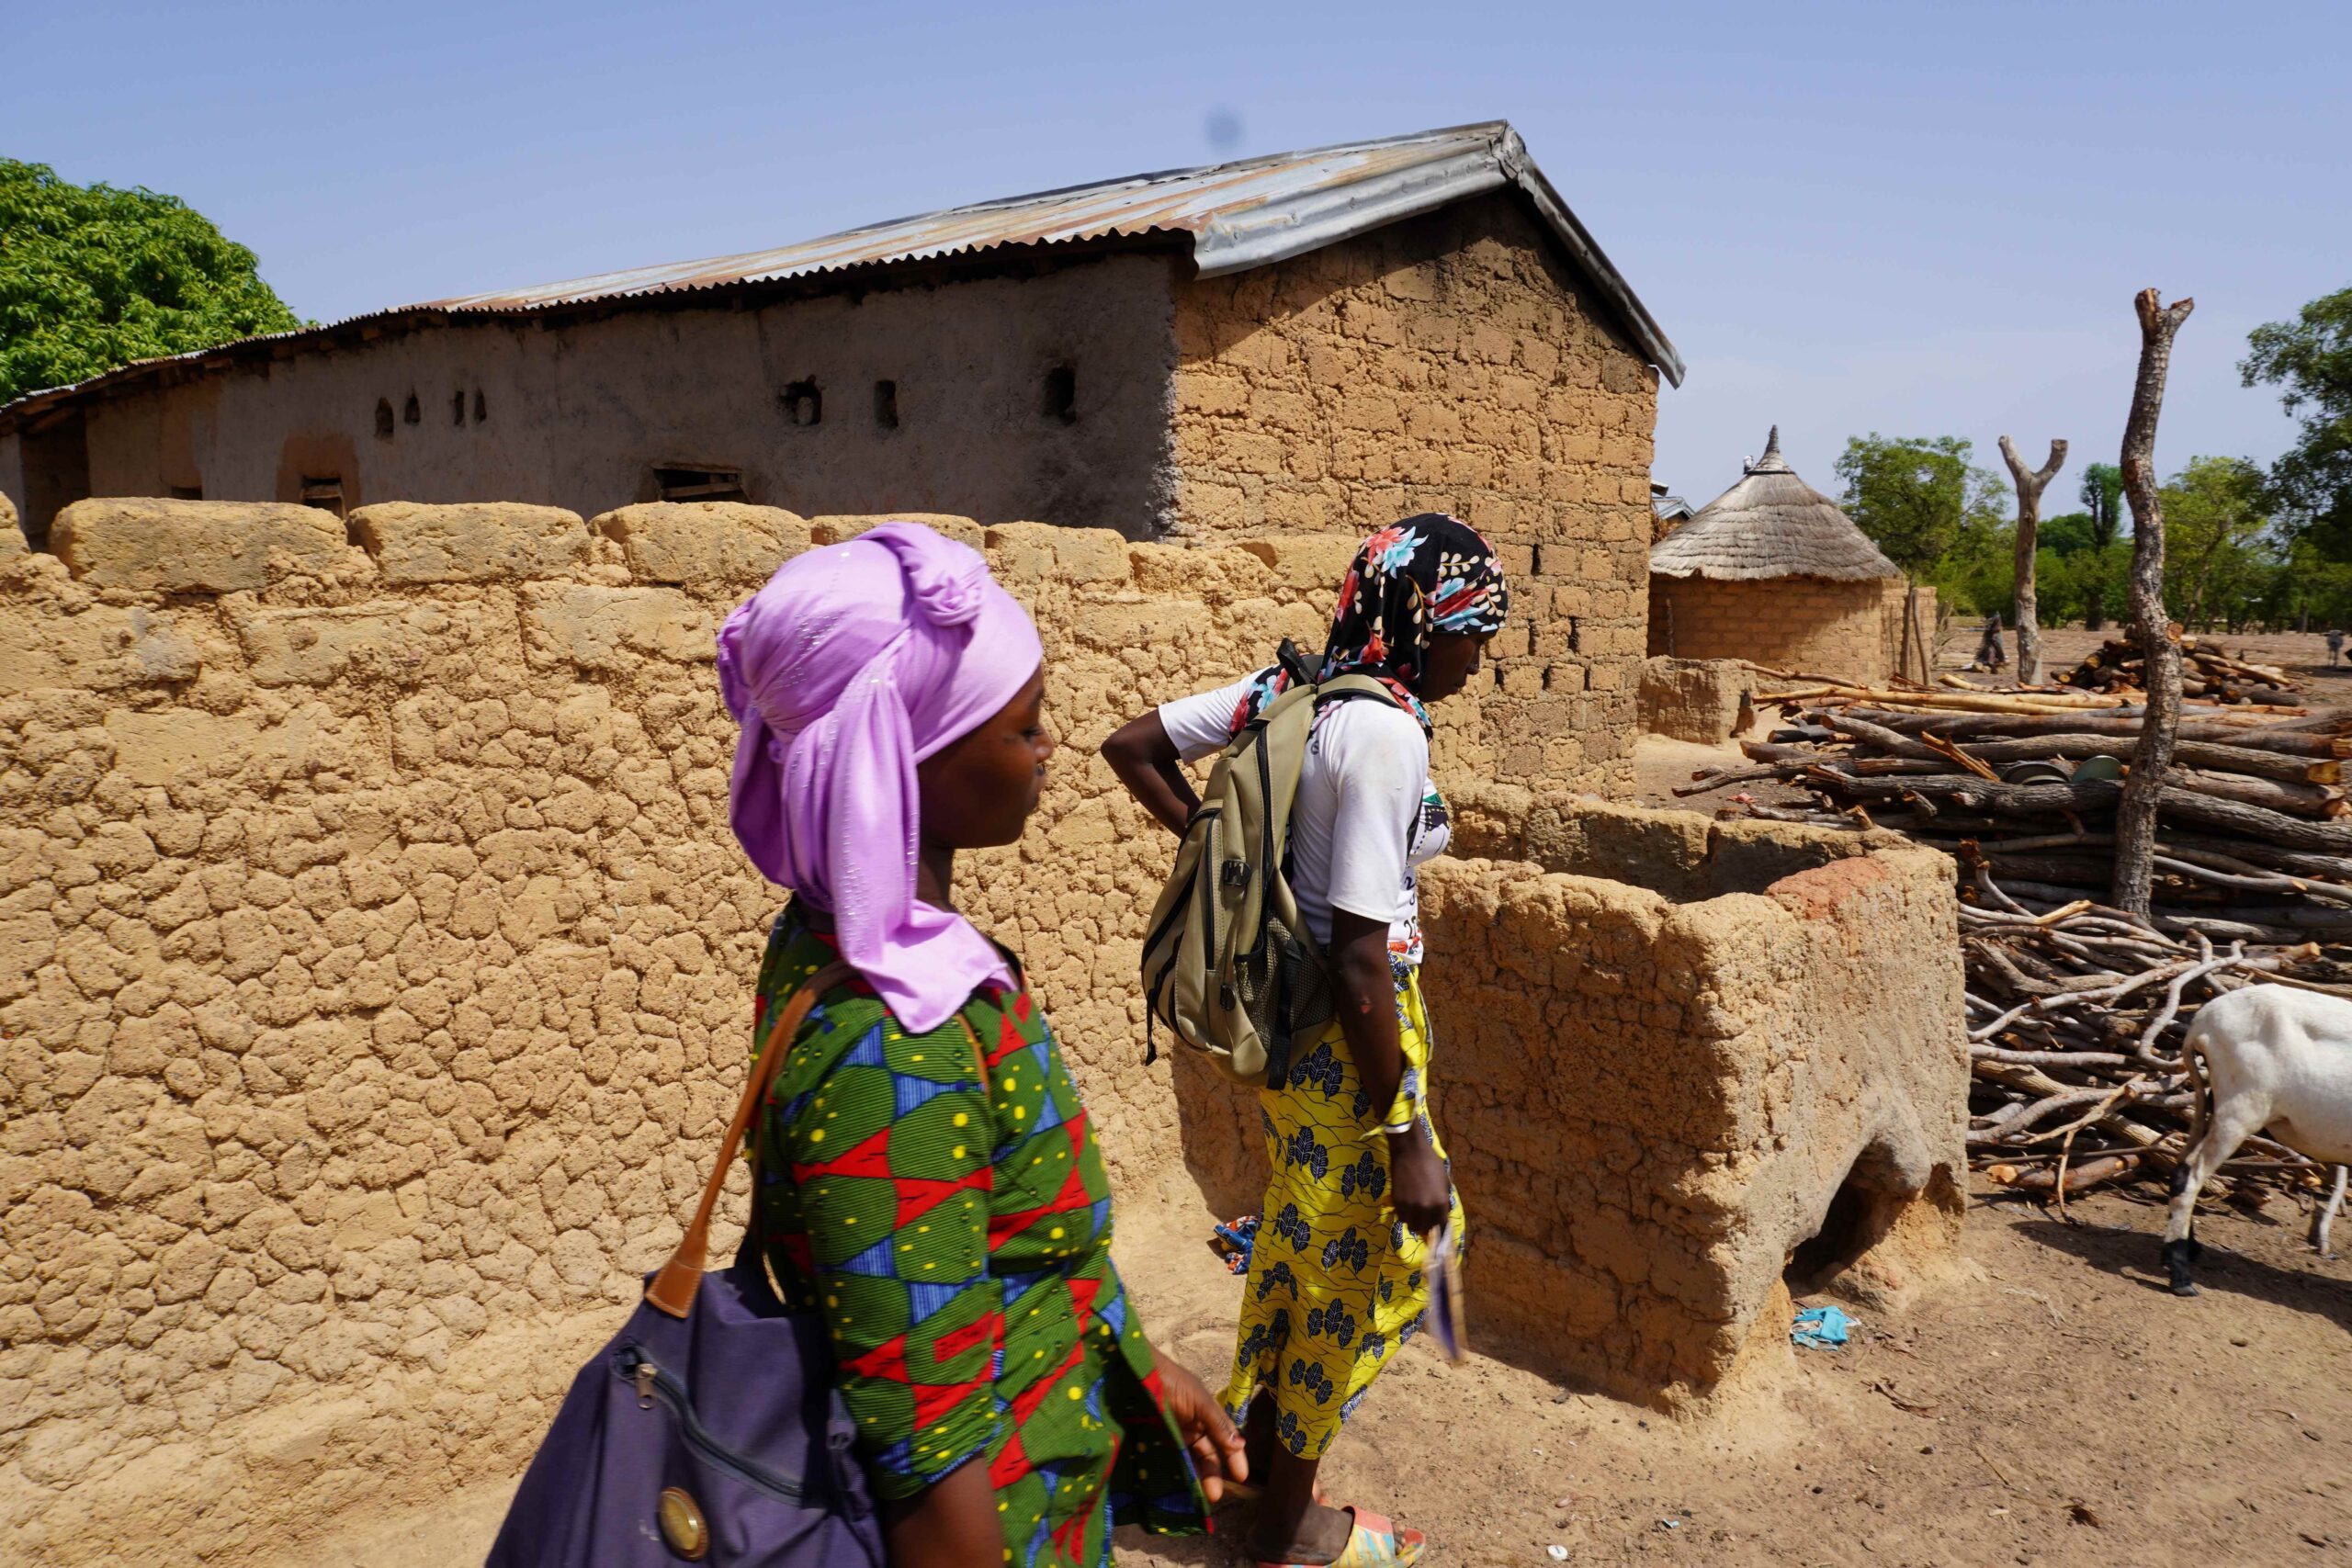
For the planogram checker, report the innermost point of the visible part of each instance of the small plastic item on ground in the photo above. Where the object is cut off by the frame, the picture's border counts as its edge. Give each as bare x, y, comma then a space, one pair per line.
1821, 1328
1556, 1553
1232, 1242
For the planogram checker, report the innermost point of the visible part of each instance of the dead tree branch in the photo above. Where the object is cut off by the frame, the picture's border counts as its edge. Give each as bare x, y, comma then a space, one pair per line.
2030, 482
2135, 819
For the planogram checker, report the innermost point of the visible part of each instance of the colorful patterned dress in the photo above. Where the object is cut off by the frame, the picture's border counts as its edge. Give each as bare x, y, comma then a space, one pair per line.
958, 1240
1334, 1281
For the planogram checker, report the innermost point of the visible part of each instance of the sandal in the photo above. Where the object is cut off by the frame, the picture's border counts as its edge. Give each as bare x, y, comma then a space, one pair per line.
1372, 1542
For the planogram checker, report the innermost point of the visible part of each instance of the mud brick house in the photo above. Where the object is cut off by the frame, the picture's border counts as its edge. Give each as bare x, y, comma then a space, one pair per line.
1311, 342
1772, 572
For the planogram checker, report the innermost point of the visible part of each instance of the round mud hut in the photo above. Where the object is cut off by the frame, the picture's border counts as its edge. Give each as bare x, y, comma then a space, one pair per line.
1771, 571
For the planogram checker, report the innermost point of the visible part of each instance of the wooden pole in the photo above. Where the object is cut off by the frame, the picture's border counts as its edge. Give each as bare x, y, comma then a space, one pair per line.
2030, 482
2159, 640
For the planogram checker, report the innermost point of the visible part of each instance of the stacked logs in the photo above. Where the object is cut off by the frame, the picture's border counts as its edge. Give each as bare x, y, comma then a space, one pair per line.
2077, 1011
2206, 672
2076, 1022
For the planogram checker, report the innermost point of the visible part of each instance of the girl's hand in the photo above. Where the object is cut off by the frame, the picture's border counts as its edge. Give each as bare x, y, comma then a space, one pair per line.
1419, 1189
1207, 1431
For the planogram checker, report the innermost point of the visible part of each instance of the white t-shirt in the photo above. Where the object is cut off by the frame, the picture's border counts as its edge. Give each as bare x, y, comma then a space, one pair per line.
1366, 813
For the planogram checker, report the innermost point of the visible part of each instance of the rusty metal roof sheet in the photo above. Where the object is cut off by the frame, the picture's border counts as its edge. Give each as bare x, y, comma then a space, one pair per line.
1238, 215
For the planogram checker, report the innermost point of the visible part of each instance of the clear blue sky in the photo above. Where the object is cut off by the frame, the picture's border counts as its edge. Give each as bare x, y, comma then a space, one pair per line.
1912, 219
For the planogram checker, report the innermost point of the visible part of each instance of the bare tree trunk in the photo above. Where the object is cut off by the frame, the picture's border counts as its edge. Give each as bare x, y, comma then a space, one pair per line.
2159, 640
2030, 484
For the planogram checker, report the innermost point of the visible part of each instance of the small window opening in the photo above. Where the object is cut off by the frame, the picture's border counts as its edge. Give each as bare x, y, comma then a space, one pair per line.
383, 419
885, 404
803, 403
413, 413
325, 492
677, 483
186, 493
481, 408
458, 406
1061, 394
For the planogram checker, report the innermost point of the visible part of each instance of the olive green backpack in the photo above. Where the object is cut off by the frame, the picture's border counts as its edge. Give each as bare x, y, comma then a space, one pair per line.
1230, 967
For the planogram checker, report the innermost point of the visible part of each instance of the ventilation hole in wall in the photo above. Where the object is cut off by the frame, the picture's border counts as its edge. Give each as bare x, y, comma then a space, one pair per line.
323, 492
1061, 394
383, 419
885, 404
1858, 1218
802, 403
481, 409
677, 481
413, 413
185, 492
458, 406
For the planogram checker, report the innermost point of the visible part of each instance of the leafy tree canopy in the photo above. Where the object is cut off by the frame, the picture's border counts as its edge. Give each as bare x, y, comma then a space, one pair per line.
2103, 501
1919, 498
2067, 533
92, 278
2311, 358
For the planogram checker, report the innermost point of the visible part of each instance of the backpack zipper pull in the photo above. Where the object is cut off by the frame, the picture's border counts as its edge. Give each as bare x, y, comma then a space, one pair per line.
646, 1372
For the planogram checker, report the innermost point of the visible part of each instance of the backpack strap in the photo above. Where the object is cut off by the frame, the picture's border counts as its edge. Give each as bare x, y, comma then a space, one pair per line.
674, 1289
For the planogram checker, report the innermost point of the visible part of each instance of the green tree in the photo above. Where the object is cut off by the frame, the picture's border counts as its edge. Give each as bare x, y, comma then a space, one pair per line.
2310, 357
2069, 534
1913, 496
1935, 513
92, 278
2103, 502
2216, 514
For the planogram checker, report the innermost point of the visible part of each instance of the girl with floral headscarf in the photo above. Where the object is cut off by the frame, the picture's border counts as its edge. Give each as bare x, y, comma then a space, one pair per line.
1359, 1186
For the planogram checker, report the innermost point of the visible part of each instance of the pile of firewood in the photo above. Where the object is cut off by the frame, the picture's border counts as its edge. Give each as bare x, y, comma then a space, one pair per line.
2206, 672
2255, 828
2075, 1020
2076, 1009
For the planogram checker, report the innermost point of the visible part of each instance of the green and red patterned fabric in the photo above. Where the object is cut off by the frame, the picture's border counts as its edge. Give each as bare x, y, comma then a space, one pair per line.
957, 1236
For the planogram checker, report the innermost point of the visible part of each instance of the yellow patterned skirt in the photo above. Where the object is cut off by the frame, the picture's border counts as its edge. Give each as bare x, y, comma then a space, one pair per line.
1335, 1282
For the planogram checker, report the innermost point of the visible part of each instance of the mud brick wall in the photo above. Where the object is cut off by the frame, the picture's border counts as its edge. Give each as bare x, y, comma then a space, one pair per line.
1687, 1066
1446, 364
1788, 623
1681, 1066
376, 963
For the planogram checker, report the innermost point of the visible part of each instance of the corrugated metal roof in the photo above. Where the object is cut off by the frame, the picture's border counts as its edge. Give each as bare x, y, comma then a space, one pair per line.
1238, 215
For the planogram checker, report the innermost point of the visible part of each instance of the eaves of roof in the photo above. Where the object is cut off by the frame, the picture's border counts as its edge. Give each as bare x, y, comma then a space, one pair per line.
1236, 216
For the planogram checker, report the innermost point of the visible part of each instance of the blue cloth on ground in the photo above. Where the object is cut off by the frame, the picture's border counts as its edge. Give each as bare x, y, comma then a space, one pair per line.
1821, 1328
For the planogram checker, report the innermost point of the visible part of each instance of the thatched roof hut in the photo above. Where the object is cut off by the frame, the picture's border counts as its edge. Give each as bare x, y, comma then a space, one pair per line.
1771, 524
1773, 572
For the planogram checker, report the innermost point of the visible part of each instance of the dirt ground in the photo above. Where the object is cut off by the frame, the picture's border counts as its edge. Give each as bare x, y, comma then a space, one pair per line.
2059, 1409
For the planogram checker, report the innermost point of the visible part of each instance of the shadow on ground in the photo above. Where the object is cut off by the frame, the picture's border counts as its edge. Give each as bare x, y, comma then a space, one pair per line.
2132, 1255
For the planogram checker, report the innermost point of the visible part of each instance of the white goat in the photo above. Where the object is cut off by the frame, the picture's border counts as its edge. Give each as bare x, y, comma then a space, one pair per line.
2278, 1059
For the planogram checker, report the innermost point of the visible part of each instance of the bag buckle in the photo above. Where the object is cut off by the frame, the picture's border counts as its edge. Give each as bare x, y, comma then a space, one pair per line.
1235, 874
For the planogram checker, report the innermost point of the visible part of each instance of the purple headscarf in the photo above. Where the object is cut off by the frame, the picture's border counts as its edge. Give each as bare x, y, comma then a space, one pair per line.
855, 663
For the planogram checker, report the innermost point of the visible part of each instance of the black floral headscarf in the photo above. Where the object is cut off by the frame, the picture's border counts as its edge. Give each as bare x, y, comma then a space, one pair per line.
1427, 574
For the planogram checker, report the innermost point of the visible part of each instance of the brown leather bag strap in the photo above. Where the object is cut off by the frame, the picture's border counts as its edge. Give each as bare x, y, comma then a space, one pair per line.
674, 1289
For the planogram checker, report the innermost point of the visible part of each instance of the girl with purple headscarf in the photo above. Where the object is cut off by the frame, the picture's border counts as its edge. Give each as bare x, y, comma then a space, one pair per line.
925, 1174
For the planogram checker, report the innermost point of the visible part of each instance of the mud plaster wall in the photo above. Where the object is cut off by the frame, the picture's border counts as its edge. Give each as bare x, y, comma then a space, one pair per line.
1788, 623
1447, 363
1664, 1045
1655, 1098
575, 414
375, 966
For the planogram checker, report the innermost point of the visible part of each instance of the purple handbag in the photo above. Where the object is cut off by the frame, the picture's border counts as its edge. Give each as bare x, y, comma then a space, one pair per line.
709, 1429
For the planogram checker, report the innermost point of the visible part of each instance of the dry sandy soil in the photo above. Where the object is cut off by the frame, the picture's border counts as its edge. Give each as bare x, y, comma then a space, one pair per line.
2061, 1409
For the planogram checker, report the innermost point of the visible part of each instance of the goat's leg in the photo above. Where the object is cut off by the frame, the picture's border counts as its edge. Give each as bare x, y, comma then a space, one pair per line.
2231, 1125
2324, 1217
